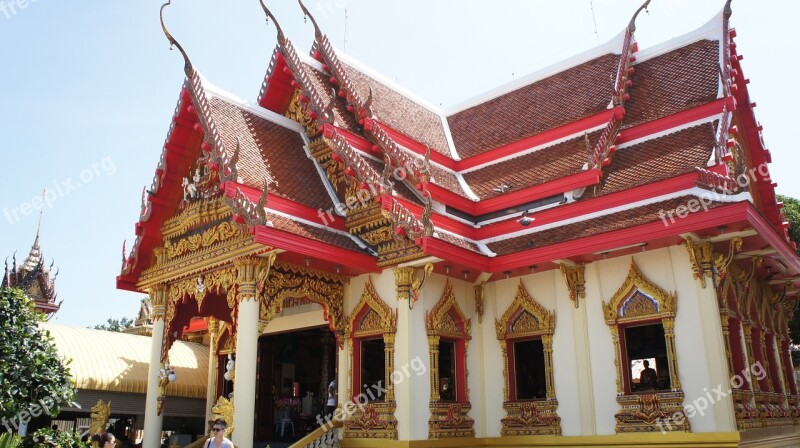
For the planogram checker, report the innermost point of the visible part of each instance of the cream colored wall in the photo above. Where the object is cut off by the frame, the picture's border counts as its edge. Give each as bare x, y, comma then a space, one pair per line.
583, 353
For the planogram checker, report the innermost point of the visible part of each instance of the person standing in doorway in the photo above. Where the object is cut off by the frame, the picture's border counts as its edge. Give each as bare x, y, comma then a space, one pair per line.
332, 394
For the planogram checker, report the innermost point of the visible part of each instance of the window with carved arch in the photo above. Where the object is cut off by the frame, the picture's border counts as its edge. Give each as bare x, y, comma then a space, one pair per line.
641, 317
526, 333
448, 332
448, 335
372, 329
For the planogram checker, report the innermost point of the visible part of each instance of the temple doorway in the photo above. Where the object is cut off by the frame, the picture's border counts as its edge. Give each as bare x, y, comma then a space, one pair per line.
294, 371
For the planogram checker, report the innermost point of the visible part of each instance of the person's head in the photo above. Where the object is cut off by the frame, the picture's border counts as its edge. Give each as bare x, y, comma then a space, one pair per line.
646, 363
218, 428
104, 440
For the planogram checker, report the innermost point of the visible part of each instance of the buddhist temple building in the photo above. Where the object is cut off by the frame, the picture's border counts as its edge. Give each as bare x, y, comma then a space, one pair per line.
591, 255
34, 278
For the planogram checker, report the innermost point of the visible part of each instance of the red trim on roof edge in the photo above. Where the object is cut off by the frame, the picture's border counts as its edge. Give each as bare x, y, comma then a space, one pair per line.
316, 249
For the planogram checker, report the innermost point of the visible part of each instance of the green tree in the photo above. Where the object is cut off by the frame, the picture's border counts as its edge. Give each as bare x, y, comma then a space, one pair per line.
115, 324
34, 380
791, 208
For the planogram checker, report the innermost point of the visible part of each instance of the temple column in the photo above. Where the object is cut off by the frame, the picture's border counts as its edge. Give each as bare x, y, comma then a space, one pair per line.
409, 425
213, 328
152, 419
250, 271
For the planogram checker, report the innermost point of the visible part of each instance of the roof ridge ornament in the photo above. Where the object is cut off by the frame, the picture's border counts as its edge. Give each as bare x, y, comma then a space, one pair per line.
281, 36
317, 32
632, 23
187, 67
727, 11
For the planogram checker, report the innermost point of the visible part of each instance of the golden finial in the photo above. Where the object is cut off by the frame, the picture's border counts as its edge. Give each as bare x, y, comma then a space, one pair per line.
317, 32
281, 36
187, 67
632, 23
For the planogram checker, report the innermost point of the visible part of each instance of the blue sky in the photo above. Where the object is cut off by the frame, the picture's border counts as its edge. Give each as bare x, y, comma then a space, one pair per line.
87, 92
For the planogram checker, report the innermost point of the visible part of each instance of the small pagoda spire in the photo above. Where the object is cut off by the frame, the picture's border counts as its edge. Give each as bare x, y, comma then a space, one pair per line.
35, 255
317, 31
281, 36
187, 67
632, 23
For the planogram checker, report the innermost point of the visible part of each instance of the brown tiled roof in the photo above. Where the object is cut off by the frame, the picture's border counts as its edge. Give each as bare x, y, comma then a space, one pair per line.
672, 82
532, 169
311, 232
400, 112
459, 242
603, 224
446, 180
573, 94
658, 159
342, 117
269, 151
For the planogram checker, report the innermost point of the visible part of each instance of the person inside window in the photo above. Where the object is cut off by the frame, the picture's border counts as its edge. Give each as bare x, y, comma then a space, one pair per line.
648, 377
218, 439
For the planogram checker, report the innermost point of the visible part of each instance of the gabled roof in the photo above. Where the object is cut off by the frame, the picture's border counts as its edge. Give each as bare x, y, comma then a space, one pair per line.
562, 98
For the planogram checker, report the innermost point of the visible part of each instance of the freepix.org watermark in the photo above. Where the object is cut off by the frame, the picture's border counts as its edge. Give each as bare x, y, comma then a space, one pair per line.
713, 396
743, 181
37, 409
371, 393
363, 196
10, 8
60, 189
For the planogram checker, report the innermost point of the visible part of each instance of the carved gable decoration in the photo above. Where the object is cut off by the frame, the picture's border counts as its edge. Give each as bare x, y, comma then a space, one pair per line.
639, 298
446, 318
372, 316
525, 317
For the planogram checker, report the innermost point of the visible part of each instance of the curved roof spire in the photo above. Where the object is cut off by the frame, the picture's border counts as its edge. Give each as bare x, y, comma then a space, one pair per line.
317, 31
281, 36
187, 67
632, 23
35, 255
727, 11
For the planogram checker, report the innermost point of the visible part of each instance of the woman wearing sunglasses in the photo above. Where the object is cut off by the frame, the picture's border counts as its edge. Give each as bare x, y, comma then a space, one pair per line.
218, 439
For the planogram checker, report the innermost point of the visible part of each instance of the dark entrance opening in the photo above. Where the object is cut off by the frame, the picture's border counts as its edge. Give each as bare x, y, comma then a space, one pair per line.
294, 371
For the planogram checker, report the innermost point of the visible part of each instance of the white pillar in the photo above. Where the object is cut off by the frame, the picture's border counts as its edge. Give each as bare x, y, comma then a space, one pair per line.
211, 393
153, 421
244, 392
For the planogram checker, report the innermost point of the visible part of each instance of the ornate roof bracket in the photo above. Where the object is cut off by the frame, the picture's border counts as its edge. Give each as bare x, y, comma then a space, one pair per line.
576, 283
706, 263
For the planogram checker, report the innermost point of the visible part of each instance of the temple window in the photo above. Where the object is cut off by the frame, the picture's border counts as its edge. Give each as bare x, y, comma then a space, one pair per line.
448, 335
372, 328
526, 333
373, 368
641, 317
529, 369
646, 351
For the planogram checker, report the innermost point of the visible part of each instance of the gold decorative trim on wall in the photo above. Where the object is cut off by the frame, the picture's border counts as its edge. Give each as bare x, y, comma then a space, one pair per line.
640, 300
446, 319
372, 317
526, 318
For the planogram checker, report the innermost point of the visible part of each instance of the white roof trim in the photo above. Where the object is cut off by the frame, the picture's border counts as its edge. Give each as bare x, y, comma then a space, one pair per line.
614, 45
694, 191
533, 149
711, 30
347, 59
215, 92
669, 131
318, 226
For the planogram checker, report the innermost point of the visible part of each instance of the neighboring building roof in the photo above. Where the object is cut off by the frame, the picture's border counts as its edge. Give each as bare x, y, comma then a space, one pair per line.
34, 278
118, 362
